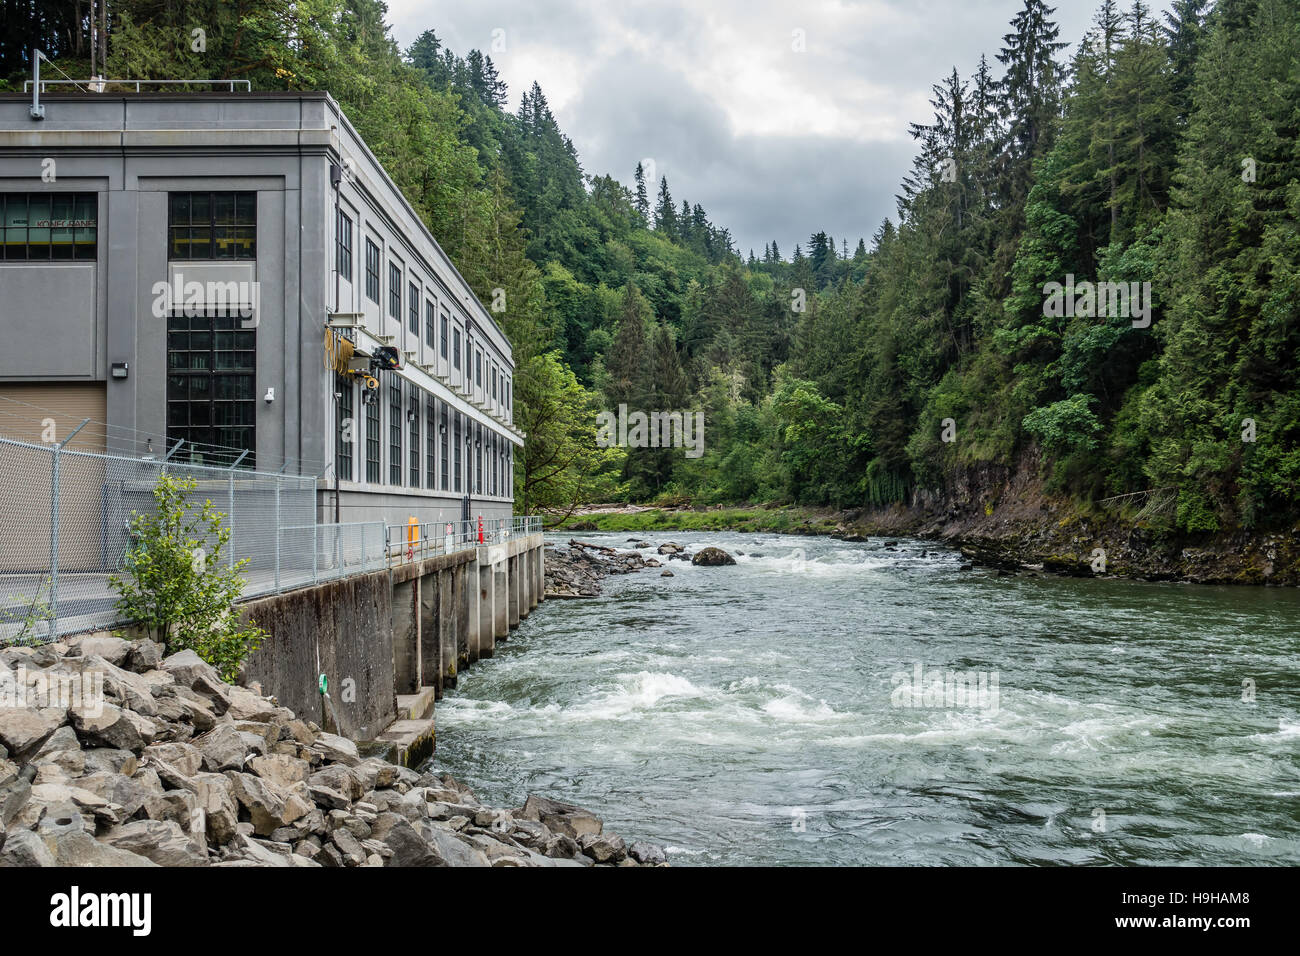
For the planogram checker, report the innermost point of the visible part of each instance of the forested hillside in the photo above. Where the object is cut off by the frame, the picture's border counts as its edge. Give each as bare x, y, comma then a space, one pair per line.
856, 371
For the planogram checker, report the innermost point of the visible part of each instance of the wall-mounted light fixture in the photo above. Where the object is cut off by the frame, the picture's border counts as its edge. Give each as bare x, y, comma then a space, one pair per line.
120, 369
269, 397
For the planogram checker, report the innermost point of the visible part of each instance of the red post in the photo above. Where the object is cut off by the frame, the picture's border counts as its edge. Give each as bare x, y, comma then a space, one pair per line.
480, 529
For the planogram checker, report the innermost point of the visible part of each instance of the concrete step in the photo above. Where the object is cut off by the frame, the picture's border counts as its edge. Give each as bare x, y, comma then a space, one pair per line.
412, 741
416, 706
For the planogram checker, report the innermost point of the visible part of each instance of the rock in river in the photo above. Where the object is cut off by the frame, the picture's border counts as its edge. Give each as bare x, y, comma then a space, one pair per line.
712, 557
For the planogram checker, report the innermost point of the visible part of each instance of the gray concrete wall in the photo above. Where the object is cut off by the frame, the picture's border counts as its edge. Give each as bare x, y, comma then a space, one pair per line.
386, 633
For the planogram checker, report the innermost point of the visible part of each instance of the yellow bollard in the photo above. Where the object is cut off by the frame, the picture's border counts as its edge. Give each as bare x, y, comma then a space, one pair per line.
412, 535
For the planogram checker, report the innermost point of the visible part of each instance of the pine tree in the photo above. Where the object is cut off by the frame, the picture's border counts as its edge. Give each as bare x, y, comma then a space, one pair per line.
665, 213
1031, 89
642, 199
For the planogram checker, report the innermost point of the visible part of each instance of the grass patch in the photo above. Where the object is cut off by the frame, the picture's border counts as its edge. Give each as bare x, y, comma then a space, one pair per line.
777, 520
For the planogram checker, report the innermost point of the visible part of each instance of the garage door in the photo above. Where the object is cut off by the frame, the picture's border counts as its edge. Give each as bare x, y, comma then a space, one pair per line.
35, 413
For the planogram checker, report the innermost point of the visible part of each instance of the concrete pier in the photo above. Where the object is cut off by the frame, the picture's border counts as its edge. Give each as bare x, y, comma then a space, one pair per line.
391, 642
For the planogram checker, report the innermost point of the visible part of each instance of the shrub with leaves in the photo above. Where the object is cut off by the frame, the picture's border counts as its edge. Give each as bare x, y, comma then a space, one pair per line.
175, 583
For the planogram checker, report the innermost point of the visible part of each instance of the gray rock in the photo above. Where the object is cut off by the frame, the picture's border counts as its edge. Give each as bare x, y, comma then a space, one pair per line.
408, 847
186, 758
340, 778
223, 748
281, 770
144, 655
24, 729
112, 649
190, 670
559, 817
647, 854
712, 557
337, 749
115, 788
24, 848
110, 760
349, 846
269, 807
163, 841
603, 847
81, 849
110, 726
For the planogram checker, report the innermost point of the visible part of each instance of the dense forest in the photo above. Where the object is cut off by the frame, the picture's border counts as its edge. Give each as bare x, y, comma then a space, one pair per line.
1163, 156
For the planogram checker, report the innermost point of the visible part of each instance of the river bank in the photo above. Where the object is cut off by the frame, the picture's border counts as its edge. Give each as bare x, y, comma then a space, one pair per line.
1029, 532
113, 755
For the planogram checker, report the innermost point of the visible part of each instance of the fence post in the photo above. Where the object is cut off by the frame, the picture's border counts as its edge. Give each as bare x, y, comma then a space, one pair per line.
230, 518
54, 531
314, 541
277, 535
54, 544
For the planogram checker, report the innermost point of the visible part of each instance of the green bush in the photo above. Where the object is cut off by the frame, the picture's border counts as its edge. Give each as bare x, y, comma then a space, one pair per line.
177, 587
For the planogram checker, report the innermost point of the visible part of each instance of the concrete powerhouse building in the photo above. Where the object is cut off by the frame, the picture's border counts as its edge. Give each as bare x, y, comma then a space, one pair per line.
237, 272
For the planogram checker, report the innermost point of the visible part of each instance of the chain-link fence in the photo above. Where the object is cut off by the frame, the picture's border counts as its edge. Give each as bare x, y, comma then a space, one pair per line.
67, 519
66, 526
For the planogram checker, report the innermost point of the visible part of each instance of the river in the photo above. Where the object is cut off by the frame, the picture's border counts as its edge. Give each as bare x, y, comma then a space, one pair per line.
762, 714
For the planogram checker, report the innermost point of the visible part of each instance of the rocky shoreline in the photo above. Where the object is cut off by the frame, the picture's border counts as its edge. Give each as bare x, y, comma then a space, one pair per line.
575, 570
1031, 533
113, 755
1051, 539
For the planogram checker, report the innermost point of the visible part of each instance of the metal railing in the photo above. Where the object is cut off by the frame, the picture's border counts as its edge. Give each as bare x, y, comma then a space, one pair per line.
416, 541
66, 520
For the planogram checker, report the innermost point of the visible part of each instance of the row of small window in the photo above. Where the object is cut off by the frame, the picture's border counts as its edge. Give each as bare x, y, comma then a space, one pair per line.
498, 382
48, 225
456, 455
200, 225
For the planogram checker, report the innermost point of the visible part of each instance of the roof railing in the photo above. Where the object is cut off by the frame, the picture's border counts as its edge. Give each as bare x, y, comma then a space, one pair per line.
97, 84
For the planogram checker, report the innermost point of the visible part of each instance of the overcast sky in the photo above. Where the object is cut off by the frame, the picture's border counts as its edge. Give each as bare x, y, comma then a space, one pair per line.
773, 141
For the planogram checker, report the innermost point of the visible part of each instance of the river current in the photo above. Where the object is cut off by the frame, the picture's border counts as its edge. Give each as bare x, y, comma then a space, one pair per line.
826, 702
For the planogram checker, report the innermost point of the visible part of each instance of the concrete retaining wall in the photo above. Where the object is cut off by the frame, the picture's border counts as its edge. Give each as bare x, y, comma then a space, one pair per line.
391, 637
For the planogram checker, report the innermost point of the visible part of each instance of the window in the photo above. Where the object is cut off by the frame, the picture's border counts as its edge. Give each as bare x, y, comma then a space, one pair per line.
494, 383
347, 429
48, 225
372, 436
442, 436
413, 318
455, 347
395, 291
212, 225
428, 324
343, 237
211, 392
442, 341
372, 272
478, 458
413, 432
430, 444
492, 452
395, 431
478, 369
455, 446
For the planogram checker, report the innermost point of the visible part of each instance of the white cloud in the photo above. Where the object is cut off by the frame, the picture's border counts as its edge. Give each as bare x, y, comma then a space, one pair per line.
773, 142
